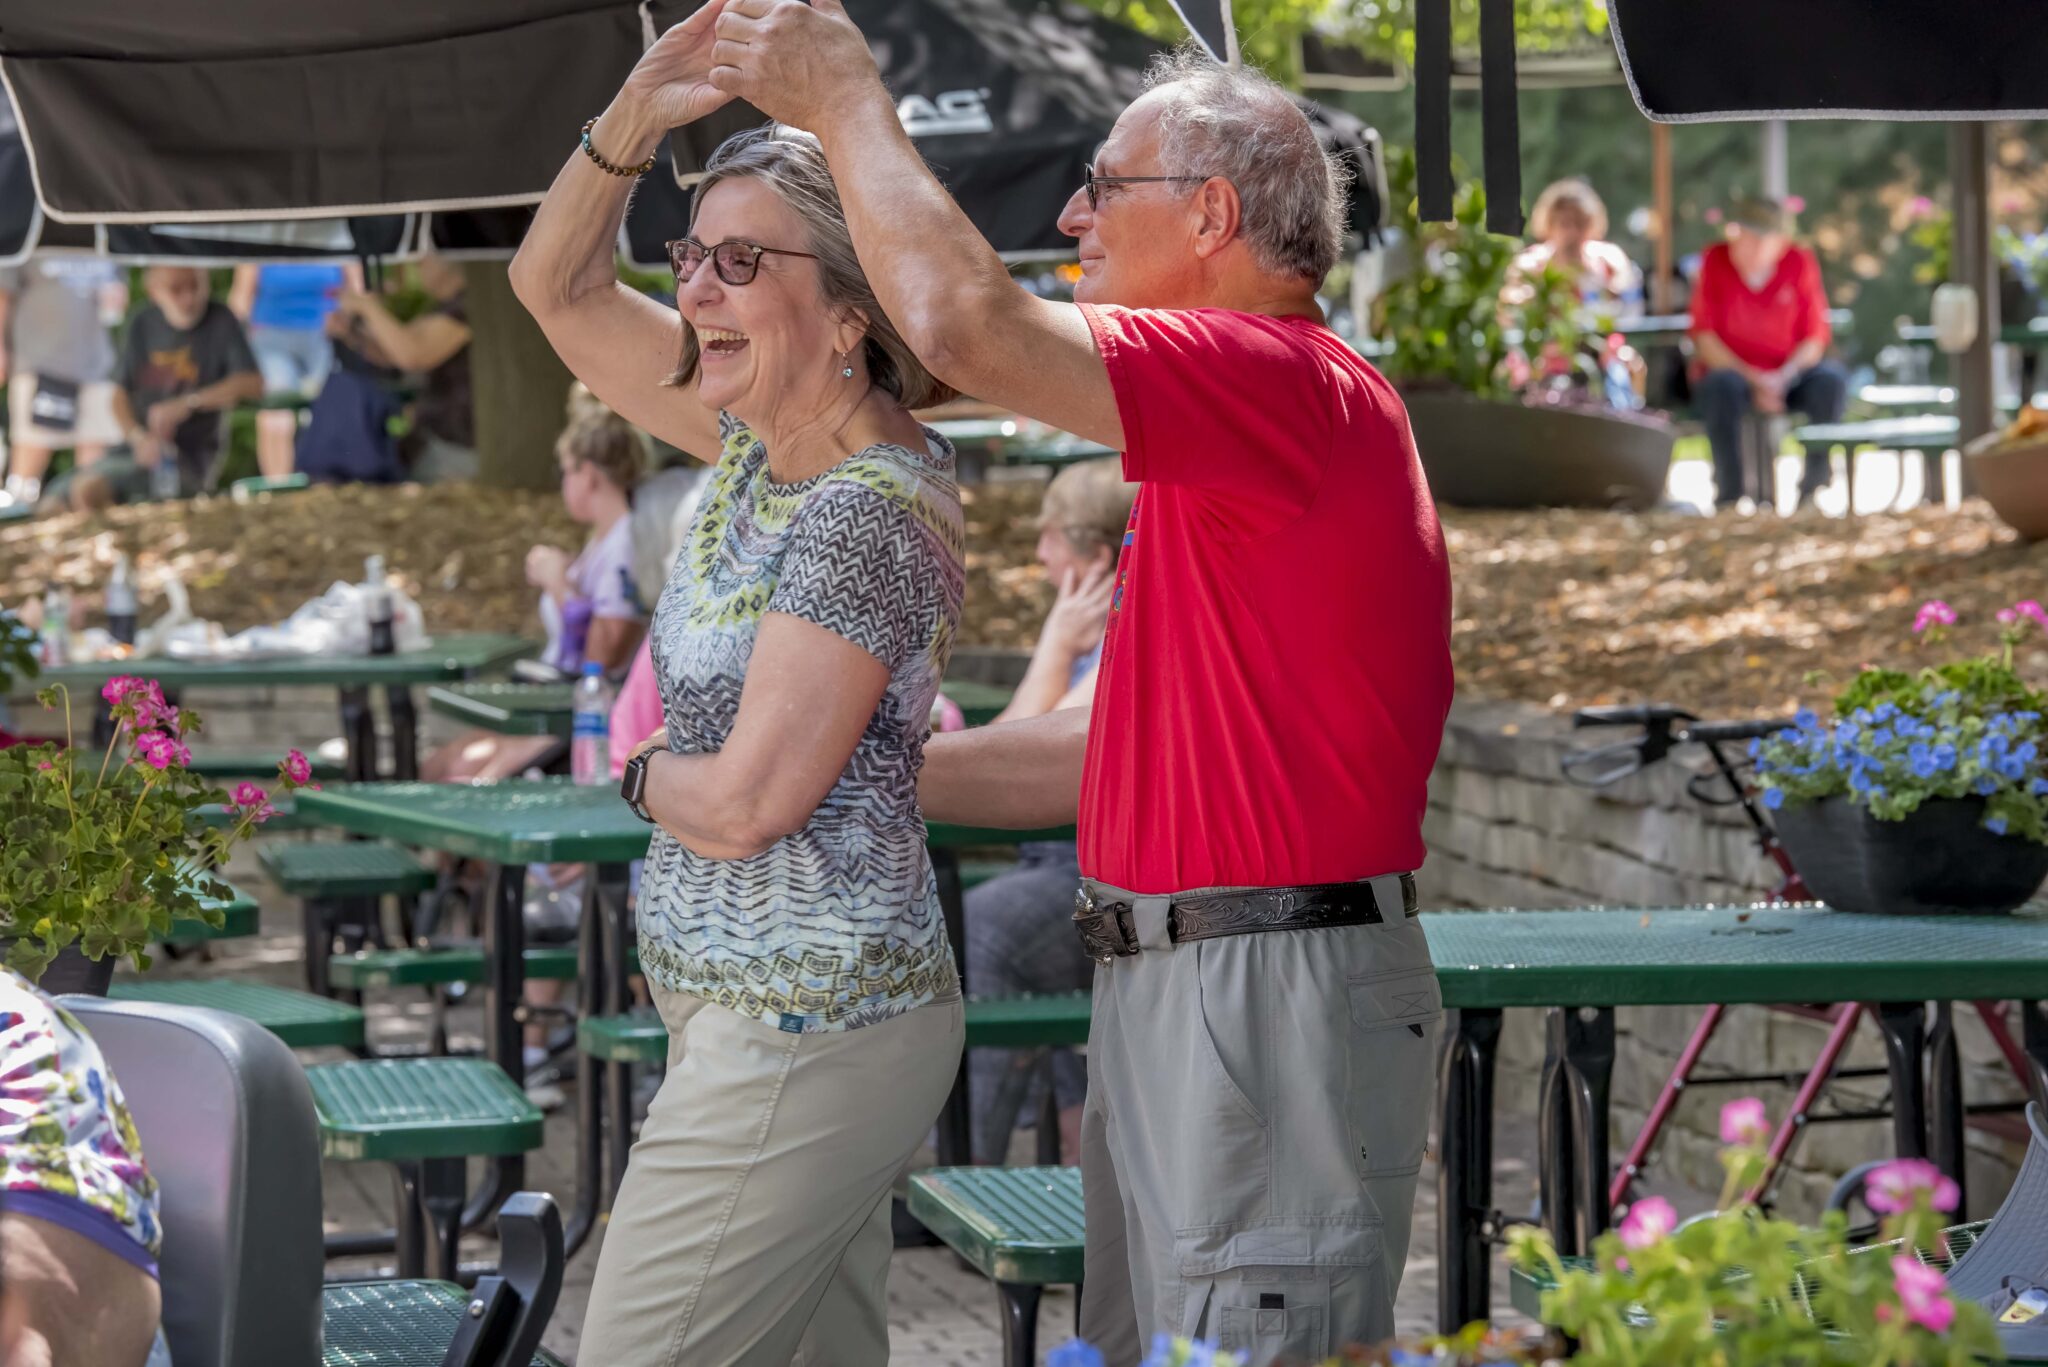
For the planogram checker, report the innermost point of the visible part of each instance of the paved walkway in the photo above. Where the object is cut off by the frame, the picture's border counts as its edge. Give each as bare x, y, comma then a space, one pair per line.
941, 1314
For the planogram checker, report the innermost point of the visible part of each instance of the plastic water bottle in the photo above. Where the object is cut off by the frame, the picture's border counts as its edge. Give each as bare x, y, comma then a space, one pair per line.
590, 727
121, 604
56, 633
377, 607
163, 480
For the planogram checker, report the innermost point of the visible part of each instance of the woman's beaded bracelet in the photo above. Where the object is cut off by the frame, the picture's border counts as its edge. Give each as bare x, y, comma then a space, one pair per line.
642, 169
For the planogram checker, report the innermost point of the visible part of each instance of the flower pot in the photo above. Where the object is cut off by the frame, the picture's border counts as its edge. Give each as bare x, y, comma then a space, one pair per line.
1939, 860
1479, 453
2012, 476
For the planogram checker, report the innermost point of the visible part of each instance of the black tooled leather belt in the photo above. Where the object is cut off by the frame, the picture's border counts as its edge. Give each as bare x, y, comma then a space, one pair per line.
1107, 931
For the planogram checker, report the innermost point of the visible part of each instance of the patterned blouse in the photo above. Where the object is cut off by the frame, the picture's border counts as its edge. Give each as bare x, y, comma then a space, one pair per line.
836, 926
69, 1153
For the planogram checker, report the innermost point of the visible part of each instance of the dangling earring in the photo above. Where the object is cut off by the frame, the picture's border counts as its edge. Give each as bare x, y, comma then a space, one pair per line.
845, 368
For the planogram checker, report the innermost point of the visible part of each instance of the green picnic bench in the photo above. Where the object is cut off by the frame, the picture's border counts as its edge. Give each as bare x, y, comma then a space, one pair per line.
1931, 435
507, 707
300, 1019
325, 873
1019, 1227
395, 1324
425, 1117
251, 486
238, 921
225, 764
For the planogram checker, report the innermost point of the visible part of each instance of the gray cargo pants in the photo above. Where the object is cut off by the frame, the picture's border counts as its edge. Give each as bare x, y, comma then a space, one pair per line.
1257, 1111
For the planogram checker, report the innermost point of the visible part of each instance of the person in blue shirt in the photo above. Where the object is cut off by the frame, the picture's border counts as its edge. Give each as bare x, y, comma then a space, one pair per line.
284, 306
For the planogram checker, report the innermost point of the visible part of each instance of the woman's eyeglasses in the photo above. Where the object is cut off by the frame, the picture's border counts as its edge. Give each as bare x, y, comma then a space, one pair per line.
1090, 182
736, 262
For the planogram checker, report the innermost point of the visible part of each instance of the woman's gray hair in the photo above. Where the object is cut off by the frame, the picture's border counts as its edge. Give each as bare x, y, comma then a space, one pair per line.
792, 164
1242, 127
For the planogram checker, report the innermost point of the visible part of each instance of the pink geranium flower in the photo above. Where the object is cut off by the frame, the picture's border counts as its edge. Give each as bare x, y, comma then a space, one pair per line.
1743, 1122
297, 768
1649, 1220
252, 801
160, 751
1933, 613
1923, 1293
115, 691
1892, 1187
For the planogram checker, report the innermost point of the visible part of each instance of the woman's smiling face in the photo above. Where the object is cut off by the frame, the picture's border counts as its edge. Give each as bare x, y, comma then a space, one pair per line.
771, 345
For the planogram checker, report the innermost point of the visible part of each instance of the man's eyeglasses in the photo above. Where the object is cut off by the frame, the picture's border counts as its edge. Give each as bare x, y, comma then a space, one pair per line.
736, 262
1091, 182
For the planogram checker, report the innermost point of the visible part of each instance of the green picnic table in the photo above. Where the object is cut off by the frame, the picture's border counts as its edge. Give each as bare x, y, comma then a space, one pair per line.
1931, 435
508, 707
238, 913
448, 658
1582, 964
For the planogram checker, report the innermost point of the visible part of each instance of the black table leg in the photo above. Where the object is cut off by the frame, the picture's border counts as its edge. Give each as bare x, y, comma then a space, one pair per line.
443, 1184
1465, 1167
505, 969
955, 1145
409, 1238
1904, 1027
1588, 1048
405, 733
359, 734
1020, 1323
615, 998
1945, 1094
1556, 1181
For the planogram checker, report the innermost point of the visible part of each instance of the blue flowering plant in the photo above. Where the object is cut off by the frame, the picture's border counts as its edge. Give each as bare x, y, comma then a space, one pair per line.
1967, 729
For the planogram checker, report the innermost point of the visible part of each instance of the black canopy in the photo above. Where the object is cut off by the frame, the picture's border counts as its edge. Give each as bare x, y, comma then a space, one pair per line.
1693, 60
186, 110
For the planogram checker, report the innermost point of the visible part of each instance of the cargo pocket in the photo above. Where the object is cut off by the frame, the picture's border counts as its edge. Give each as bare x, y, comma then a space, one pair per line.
1395, 1019
1275, 1290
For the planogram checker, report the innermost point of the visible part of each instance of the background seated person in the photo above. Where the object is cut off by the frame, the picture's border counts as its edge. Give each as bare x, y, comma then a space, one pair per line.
183, 362
589, 604
1760, 338
79, 1236
1020, 934
1569, 224
435, 347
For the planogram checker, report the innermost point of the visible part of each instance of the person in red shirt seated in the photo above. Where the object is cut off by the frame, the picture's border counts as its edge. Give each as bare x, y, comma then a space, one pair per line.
1760, 338
1251, 778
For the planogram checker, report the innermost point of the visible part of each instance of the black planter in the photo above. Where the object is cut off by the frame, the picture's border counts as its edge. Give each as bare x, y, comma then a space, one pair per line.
1480, 453
1938, 861
71, 971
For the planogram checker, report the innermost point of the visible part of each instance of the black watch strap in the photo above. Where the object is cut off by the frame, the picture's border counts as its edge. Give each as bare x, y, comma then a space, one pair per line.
633, 785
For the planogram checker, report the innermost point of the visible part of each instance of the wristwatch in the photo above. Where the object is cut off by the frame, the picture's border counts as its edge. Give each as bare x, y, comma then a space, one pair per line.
633, 784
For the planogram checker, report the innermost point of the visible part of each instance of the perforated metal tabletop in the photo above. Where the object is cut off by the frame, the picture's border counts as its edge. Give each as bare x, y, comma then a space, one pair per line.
455, 655
395, 1324
508, 708
1634, 956
418, 1108
1015, 1224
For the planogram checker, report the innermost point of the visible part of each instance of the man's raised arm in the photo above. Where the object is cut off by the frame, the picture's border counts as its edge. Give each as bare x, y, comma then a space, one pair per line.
944, 287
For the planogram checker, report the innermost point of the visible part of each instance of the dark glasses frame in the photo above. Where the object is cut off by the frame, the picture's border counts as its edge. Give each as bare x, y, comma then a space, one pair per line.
735, 260
1089, 180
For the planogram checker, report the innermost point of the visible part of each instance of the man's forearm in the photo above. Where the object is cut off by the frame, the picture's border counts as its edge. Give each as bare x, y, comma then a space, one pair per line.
935, 276
1018, 776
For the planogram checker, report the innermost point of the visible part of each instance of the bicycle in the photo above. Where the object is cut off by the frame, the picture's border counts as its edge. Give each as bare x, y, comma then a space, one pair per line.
1664, 729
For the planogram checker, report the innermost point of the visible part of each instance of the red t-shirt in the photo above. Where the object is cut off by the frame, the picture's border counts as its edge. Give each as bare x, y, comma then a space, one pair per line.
1763, 327
1277, 668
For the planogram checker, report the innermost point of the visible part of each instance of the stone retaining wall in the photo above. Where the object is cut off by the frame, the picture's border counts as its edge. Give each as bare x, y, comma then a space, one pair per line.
1505, 830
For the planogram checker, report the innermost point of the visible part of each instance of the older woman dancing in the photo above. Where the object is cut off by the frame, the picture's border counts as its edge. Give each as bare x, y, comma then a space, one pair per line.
789, 924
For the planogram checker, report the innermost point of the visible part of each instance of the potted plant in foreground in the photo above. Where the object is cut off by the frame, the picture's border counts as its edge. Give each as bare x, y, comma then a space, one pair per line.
101, 854
1928, 791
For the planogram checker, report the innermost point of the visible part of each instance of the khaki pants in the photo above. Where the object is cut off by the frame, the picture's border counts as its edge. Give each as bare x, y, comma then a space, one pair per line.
753, 1223
1257, 1111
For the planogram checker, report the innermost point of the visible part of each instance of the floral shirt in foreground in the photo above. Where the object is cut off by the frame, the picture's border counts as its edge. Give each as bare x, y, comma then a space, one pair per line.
69, 1153
837, 925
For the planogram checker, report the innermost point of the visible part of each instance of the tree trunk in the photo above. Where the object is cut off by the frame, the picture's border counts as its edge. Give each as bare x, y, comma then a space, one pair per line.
521, 387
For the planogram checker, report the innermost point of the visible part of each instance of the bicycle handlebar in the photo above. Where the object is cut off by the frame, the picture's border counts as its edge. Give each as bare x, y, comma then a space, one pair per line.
1722, 732
1637, 714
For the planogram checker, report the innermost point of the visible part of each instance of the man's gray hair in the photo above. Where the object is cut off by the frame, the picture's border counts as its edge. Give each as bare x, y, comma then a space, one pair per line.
1241, 126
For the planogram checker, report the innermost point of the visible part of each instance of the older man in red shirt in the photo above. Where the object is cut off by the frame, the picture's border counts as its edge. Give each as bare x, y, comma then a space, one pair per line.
1273, 687
1760, 336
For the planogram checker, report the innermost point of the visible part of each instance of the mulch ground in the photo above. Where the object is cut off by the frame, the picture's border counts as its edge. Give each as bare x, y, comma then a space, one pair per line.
1726, 615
